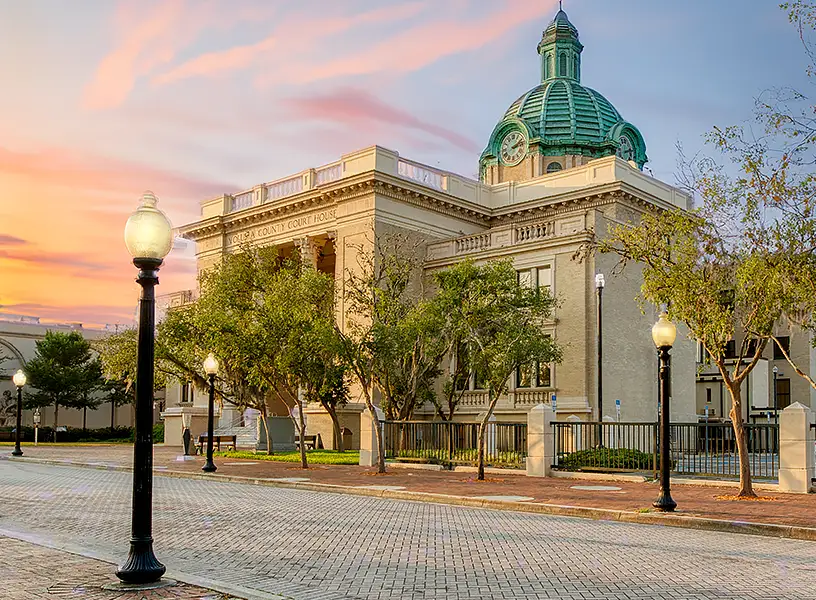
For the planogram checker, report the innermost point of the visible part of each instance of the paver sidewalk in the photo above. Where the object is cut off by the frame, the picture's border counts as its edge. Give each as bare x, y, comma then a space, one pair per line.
634, 497
31, 572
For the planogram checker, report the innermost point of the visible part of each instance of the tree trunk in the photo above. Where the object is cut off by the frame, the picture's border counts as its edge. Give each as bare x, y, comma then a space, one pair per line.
746, 488
113, 414
482, 428
338, 433
84, 419
377, 430
302, 428
56, 419
266, 431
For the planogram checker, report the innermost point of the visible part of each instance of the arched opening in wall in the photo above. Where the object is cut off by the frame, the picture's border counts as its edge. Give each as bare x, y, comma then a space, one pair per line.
575, 60
547, 66
554, 167
562, 66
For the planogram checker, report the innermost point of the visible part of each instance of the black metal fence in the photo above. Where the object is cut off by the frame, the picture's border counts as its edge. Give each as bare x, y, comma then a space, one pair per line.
446, 443
705, 448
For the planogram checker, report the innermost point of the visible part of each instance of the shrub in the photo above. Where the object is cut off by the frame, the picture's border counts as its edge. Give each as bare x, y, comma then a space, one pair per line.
607, 458
72, 434
158, 433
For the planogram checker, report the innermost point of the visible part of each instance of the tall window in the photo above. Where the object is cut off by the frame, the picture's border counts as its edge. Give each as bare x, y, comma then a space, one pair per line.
186, 393
783, 393
547, 58
575, 66
562, 66
784, 342
731, 349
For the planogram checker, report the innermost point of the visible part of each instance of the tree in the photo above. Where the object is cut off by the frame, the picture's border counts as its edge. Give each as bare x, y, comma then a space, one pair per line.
500, 322
61, 372
8, 408
384, 342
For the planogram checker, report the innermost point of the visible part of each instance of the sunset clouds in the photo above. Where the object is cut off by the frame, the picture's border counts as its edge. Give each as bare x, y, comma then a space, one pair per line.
195, 98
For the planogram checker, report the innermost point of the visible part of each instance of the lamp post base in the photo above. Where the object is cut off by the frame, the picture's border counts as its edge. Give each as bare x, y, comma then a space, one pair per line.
141, 566
16, 452
209, 467
664, 503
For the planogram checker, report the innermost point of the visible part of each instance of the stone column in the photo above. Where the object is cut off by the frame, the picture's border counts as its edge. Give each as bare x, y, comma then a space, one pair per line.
796, 449
369, 452
309, 250
540, 441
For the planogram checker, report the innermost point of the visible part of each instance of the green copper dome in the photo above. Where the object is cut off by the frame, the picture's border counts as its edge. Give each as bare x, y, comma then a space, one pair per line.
560, 117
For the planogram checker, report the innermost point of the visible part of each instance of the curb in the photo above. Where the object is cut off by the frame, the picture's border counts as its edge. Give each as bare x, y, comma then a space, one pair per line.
597, 514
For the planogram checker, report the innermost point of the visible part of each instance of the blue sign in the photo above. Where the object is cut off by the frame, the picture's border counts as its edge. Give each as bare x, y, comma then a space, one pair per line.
553, 402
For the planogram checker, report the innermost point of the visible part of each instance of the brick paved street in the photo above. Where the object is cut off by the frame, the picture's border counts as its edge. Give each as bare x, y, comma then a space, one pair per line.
693, 500
32, 572
321, 546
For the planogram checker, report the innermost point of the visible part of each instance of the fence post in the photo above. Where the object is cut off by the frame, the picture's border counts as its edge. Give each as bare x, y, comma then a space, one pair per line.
796, 449
609, 438
540, 441
369, 452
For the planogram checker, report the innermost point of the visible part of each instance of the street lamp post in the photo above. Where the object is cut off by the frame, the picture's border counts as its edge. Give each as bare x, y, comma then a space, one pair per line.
211, 367
149, 238
599, 285
776, 402
19, 380
664, 333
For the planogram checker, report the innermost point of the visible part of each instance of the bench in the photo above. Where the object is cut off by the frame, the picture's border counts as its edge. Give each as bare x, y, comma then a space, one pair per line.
228, 440
312, 442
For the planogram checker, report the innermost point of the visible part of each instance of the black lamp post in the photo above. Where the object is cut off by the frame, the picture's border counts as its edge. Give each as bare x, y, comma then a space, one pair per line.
664, 333
19, 380
599, 285
776, 401
149, 238
211, 367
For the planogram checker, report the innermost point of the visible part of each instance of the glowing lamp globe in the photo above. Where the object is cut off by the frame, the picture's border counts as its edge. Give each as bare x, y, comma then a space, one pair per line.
148, 232
19, 378
664, 332
211, 364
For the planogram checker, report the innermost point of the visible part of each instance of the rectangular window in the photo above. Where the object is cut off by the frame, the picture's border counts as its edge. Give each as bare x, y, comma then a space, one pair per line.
524, 376
544, 275
544, 376
708, 395
783, 393
525, 278
784, 342
186, 393
480, 382
731, 349
751, 349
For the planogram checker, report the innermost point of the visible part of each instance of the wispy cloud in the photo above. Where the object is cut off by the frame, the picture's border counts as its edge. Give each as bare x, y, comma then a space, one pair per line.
356, 107
81, 266
11, 240
92, 173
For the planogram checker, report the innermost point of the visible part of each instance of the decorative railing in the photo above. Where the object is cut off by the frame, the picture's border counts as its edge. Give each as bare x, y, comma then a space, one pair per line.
473, 243
329, 173
242, 200
536, 231
449, 443
704, 448
422, 174
286, 187
477, 398
530, 397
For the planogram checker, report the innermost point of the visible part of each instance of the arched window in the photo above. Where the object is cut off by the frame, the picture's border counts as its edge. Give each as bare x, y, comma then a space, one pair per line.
562, 67
547, 66
554, 167
575, 66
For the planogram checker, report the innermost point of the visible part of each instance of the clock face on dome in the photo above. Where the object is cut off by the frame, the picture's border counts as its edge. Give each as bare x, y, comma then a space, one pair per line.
626, 150
513, 148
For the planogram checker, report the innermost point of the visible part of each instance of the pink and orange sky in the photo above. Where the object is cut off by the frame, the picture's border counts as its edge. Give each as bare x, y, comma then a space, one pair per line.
193, 98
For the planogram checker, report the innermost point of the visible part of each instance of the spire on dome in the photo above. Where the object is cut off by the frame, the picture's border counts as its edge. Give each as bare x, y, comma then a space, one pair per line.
560, 49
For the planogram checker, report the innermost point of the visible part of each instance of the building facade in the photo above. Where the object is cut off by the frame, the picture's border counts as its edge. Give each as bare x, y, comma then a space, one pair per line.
560, 164
18, 344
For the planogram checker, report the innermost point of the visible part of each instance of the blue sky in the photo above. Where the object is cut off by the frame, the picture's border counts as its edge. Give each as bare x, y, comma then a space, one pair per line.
192, 98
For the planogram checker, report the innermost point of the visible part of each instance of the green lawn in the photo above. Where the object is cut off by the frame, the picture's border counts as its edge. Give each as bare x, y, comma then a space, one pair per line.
50, 444
316, 457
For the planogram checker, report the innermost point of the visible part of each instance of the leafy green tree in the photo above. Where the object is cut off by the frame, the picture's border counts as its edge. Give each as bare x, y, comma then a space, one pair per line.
61, 373
500, 321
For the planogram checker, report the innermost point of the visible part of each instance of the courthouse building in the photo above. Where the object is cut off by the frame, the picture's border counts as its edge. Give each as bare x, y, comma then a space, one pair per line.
560, 163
